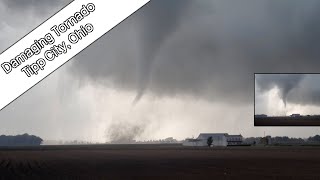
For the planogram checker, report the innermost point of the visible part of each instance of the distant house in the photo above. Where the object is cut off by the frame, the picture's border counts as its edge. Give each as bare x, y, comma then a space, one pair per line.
260, 115
295, 115
219, 139
234, 139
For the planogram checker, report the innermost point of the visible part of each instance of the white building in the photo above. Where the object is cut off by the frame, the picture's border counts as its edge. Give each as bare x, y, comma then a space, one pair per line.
234, 139
260, 115
219, 139
295, 115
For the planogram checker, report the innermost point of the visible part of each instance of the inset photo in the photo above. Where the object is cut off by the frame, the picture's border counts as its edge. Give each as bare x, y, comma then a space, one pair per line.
287, 100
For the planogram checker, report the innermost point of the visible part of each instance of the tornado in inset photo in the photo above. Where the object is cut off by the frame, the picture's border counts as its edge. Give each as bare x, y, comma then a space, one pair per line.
287, 99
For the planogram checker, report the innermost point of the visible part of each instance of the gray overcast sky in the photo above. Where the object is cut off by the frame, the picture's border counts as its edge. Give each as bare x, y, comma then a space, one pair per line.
175, 68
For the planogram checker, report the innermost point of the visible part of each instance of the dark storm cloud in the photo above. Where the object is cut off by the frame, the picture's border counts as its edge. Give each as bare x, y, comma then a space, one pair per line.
25, 4
161, 20
19, 17
207, 49
308, 92
303, 89
284, 82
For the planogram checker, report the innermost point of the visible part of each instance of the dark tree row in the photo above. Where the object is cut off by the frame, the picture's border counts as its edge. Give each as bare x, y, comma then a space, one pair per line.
20, 140
315, 138
285, 139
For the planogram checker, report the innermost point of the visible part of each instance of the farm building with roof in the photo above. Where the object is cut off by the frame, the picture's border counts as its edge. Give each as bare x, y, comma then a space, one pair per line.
218, 139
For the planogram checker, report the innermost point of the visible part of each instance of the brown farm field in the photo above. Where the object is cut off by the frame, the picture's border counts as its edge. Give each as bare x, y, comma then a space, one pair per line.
159, 162
287, 121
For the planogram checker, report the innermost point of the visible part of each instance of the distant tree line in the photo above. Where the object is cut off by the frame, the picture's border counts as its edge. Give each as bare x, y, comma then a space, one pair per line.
20, 140
315, 138
283, 140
